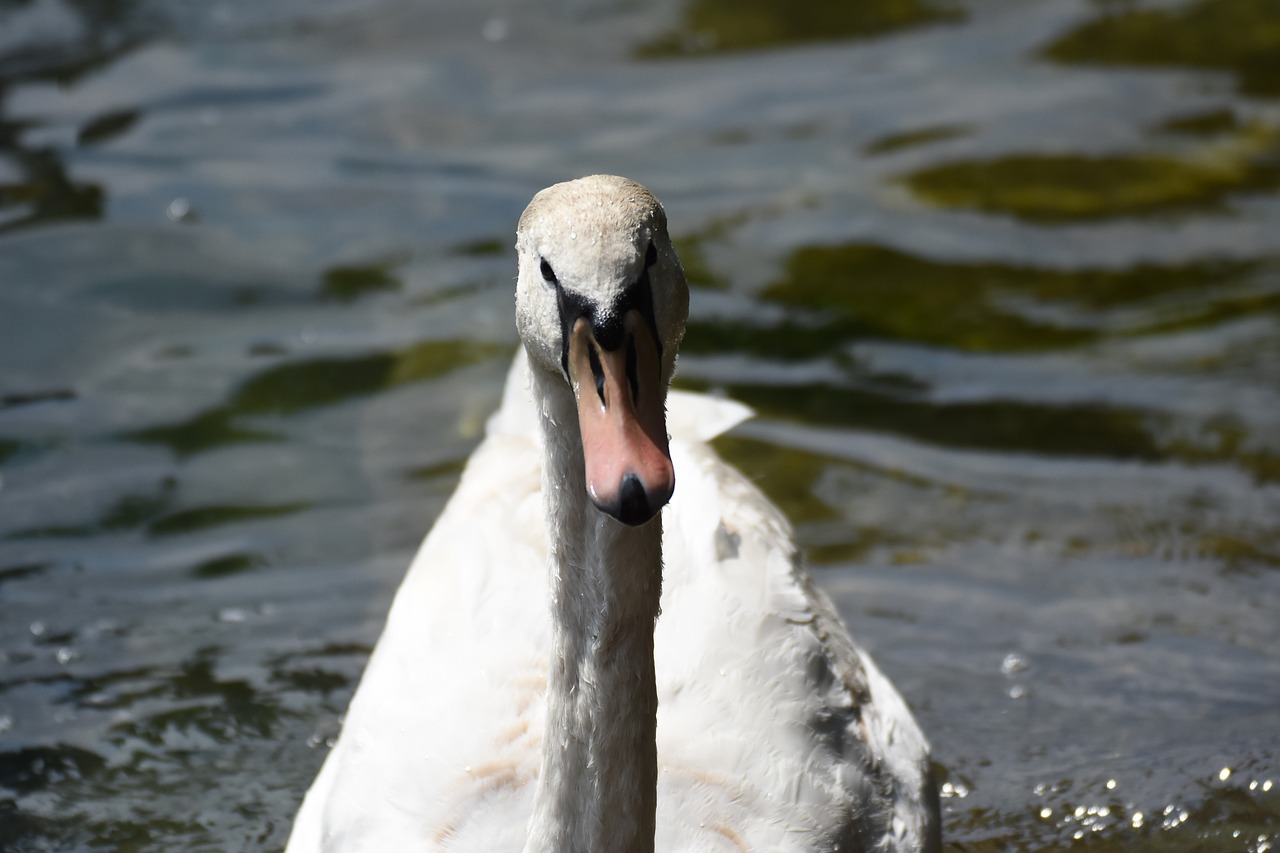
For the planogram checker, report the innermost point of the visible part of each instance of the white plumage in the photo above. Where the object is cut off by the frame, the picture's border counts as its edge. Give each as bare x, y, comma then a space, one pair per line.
489, 716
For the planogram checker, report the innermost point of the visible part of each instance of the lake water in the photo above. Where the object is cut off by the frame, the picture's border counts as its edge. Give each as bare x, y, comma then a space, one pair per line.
1001, 278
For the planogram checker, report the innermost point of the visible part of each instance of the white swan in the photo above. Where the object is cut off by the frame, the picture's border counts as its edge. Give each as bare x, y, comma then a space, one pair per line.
521, 696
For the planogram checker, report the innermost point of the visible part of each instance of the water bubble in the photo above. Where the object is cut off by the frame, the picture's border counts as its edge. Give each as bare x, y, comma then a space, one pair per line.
1137, 819
1266, 786
232, 614
1224, 774
1046, 812
66, 655
180, 210
1013, 663
1111, 784
37, 629
1017, 691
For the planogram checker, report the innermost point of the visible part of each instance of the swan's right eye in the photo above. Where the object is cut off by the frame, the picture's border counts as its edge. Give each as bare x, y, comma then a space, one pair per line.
548, 274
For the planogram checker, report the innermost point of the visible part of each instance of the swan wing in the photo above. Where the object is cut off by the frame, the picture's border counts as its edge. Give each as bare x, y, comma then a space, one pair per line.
774, 729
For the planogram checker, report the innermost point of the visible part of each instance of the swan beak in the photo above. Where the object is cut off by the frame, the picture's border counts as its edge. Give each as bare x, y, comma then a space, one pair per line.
622, 416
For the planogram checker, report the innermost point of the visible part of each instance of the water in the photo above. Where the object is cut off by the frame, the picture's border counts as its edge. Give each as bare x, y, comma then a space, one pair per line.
1001, 279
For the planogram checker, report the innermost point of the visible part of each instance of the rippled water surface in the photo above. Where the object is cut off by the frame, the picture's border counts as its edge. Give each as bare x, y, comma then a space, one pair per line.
1002, 280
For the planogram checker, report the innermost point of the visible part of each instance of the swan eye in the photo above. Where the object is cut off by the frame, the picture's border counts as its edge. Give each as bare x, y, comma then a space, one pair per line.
651, 256
548, 274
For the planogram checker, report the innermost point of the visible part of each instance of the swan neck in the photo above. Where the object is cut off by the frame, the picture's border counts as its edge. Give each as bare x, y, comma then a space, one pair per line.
597, 789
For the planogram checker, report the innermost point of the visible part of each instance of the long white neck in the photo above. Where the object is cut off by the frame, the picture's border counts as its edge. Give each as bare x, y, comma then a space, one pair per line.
597, 789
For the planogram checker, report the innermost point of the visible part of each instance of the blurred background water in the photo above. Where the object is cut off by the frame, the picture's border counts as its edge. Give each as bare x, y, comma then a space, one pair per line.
1001, 278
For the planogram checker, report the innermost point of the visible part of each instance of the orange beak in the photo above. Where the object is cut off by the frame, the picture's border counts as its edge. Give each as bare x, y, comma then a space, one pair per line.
623, 421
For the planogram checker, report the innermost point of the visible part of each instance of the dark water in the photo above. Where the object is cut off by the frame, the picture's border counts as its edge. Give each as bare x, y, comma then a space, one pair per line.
1002, 279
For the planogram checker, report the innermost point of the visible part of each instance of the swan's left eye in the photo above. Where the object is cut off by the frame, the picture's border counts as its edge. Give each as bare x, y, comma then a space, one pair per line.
548, 274
651, 256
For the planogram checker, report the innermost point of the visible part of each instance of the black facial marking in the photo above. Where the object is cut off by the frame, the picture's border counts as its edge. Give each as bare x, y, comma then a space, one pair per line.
606, 320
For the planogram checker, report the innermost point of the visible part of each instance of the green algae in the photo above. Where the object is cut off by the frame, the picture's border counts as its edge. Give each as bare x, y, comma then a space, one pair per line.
133, 511
912, 138
8, 449
693, 260
348, 283
1086, 430
47, 193
1208, 123
483, 248
293, 387
299, 385
126, 512
226, 566
876, 291
1237, 36
203, 517
107, 126
450, 469
786, 474
717, 26
1071, 187
203, 431
1010, 426
785, 341
890, 294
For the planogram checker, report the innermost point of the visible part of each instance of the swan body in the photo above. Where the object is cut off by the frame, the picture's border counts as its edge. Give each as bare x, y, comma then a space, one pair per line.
522, 696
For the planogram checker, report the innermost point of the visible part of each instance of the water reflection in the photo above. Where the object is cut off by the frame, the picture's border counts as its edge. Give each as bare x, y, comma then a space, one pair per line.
45, 189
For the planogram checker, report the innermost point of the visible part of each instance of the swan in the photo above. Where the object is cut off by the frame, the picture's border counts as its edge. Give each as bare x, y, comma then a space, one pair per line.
567, 665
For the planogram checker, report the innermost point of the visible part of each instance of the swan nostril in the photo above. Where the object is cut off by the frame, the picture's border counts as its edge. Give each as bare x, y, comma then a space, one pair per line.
632, 378
597, 371
633, 503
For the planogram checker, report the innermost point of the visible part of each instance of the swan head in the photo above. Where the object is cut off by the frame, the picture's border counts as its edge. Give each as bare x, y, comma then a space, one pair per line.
601, 301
